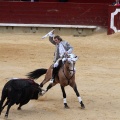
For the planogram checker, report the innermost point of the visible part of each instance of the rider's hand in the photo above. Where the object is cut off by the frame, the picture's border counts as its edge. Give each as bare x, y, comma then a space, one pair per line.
51, 34
66, 53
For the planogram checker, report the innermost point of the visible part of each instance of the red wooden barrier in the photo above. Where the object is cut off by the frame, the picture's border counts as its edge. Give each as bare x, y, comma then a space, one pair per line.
113, 19
67, 13
76, 1
92, 1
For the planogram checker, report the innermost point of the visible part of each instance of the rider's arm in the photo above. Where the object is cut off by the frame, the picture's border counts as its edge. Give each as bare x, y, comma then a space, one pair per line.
51, 40
69, 48
51, 35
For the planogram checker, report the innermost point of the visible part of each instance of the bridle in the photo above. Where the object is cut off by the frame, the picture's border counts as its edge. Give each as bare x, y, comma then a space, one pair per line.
69, 70
71, 58
73, 70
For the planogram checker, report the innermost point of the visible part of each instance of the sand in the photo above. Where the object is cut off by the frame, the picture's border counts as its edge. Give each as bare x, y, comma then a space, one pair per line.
97, 76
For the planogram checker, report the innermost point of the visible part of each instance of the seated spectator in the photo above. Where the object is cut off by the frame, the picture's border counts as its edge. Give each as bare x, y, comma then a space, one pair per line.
116, 3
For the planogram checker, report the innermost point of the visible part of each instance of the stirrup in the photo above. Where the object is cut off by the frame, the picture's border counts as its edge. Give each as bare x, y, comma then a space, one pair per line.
51, 80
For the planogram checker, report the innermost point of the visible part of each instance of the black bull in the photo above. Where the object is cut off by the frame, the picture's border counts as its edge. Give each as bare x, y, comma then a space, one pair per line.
18, 91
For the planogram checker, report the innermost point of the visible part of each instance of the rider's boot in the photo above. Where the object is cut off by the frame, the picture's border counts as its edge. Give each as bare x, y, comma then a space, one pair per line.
53, 75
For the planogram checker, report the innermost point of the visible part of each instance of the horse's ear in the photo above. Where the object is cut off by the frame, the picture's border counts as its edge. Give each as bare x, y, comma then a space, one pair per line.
75, 58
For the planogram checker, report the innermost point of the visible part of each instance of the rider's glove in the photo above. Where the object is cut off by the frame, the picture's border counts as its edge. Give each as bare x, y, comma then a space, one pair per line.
51, 34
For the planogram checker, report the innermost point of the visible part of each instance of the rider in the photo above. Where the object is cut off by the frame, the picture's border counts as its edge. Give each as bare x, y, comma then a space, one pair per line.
62, 48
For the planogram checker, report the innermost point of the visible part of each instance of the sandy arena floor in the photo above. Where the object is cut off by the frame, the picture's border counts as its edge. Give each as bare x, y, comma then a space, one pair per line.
97, 76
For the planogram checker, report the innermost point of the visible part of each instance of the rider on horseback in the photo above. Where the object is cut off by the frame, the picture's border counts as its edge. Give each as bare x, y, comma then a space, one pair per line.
62, 48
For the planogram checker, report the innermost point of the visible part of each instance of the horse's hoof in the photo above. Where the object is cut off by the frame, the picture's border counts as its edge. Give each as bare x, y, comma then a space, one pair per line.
66, 107
82, 106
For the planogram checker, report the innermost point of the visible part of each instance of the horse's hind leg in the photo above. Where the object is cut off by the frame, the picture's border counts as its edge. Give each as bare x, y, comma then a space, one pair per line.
78, 95
64, 97
49, 87
44, 81
47, 78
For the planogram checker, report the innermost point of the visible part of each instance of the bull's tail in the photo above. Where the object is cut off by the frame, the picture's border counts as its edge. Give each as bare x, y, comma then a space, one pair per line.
36, 73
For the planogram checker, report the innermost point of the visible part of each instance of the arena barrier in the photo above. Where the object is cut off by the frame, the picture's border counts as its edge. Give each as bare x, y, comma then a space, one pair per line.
78, 17
113, 19
75, 30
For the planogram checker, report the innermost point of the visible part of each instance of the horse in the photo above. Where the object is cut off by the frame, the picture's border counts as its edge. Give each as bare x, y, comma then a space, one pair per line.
65, 76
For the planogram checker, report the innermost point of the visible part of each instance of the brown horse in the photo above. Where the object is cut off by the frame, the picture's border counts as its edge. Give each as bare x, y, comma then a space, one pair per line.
65, 75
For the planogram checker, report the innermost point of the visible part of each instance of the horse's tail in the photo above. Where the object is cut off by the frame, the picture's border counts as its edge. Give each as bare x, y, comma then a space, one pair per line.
36, 73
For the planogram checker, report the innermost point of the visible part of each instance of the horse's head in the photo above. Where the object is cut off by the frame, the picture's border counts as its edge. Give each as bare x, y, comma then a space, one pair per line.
69, 62
70, 58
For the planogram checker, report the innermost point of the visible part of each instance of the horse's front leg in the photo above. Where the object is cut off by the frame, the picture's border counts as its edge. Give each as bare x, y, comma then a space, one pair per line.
78, 95
64, 97
46, 79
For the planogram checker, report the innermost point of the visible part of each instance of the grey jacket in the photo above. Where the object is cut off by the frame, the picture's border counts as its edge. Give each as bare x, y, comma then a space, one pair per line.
65, 44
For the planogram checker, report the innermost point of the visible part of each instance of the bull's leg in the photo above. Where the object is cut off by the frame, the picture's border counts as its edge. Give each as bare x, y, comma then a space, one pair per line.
3, 97
64, 97
8, 108
1, 103
78, 95
19, 108
5, 104
22, 103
